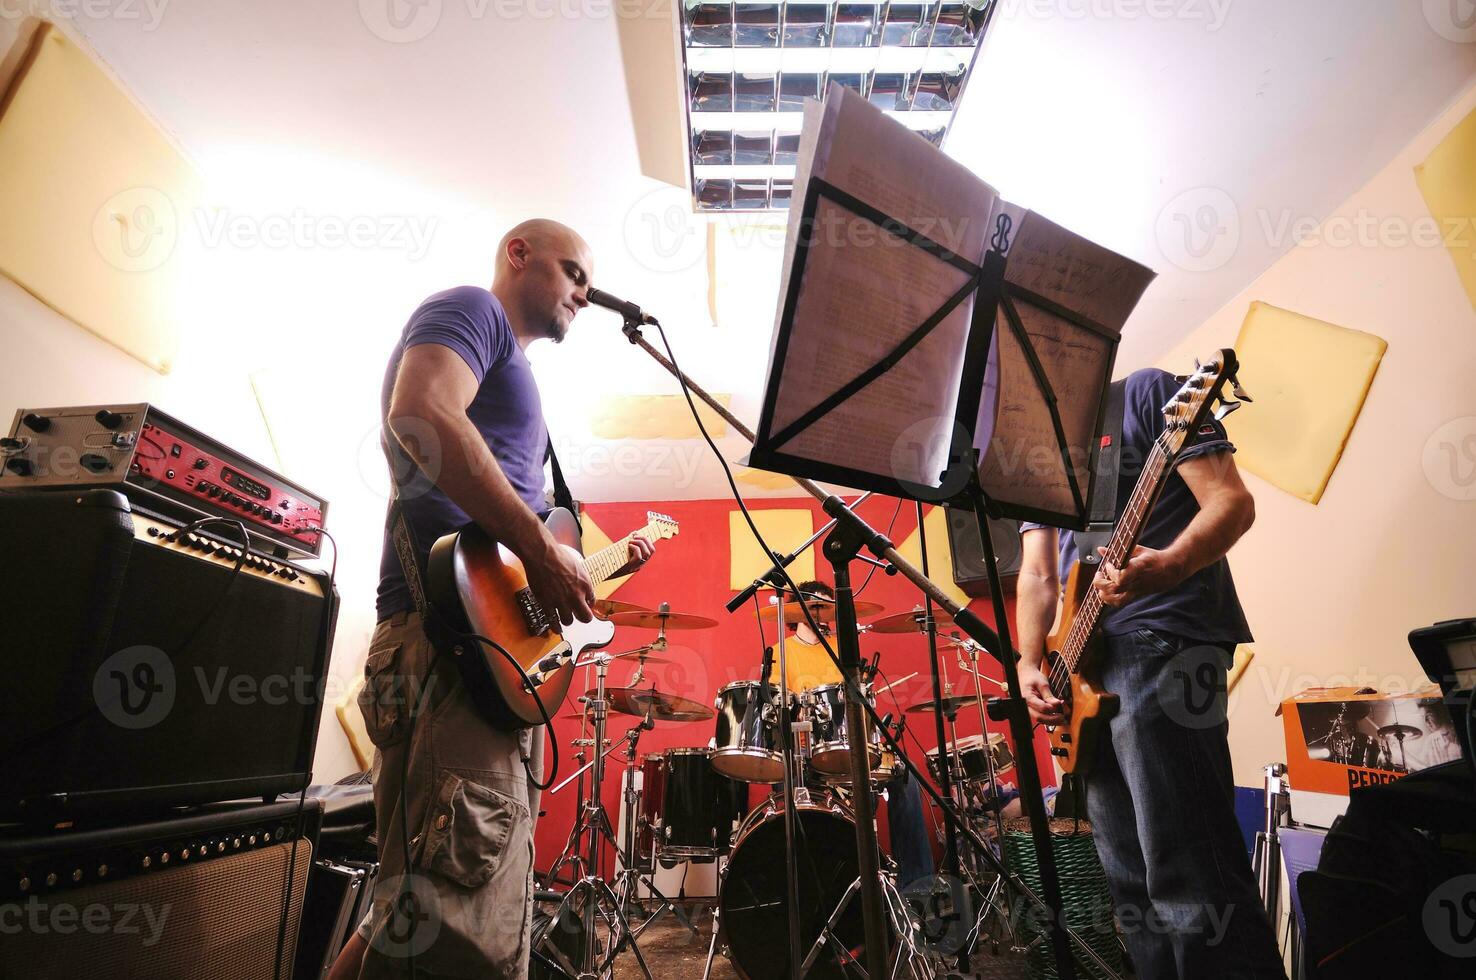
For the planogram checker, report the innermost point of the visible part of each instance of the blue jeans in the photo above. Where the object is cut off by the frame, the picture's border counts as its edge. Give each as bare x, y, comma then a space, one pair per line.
908, 830
1160, 796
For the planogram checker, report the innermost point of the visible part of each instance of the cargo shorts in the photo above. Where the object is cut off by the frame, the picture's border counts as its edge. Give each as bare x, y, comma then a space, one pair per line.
462, 904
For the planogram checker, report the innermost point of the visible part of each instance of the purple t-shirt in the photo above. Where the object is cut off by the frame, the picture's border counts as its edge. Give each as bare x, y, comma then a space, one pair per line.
506, 411
1204, 606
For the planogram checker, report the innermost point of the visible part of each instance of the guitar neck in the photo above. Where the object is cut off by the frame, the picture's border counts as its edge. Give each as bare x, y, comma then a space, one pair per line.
607, 561
1124, 539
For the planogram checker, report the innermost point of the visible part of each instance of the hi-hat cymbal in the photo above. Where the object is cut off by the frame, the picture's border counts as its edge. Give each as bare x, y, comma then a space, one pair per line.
605, 608
660, 620
903, 622
821, 610
949, 704
1400, 731
640, 701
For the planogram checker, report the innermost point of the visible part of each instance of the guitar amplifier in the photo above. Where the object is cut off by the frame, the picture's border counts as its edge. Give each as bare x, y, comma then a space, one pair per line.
145, 667
216, 893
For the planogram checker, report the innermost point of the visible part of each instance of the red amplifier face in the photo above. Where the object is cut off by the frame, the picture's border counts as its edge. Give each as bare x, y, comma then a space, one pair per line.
163, 459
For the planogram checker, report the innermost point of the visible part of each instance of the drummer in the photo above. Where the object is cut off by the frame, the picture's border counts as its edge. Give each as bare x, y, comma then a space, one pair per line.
808, 666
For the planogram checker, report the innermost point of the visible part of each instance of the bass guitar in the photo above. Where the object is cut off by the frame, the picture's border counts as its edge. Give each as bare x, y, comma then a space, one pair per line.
1074, 663
481, 588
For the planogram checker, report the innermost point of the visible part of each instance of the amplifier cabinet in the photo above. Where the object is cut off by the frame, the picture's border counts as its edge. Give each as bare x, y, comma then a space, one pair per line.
142, 670
214, 895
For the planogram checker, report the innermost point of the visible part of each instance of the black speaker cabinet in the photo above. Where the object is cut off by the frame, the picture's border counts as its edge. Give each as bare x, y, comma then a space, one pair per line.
142, 670
968, 553
213, 895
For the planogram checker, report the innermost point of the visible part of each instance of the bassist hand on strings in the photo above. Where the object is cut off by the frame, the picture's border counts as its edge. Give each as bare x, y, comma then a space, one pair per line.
1045, 707
1146, 572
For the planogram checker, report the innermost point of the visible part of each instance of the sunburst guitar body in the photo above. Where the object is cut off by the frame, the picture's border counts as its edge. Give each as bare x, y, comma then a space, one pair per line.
481, 588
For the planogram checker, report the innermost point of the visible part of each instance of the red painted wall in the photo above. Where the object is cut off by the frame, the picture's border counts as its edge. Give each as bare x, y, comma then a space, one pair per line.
690, 571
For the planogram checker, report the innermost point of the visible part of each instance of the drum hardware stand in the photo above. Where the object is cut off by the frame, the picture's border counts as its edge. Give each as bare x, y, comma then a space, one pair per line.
596, 890
791, 818
1029, 778
1266, 858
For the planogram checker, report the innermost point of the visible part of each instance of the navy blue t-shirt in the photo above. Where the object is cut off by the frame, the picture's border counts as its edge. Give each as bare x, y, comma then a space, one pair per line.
1204, 606
507, 412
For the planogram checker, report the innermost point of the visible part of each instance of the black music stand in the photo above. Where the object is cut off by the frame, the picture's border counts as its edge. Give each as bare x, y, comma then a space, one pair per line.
959, 485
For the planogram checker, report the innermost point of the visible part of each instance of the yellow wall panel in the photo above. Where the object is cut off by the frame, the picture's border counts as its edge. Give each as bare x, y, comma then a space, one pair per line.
95, 199
784, 530
654, 417
1308, 379
1447, 178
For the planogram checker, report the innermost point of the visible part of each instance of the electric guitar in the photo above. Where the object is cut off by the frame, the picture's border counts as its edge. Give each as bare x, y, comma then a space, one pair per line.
481, 588
1074, 664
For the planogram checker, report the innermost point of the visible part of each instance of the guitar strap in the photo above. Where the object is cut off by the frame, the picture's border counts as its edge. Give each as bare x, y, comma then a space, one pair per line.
562, 497
1102, 509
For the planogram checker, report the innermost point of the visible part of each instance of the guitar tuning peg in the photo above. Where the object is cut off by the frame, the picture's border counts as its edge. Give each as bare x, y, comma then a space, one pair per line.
1196, 364
1241, 393
1225, 409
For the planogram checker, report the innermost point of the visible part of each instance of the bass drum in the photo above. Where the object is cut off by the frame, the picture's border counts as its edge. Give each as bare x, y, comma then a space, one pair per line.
753, 896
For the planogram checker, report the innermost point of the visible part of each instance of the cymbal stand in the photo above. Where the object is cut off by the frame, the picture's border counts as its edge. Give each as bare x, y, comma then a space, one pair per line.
599, 899
570, 855
788, 730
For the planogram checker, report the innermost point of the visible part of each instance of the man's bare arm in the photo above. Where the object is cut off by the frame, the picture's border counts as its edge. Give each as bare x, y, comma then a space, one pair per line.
1037, 596
433, 389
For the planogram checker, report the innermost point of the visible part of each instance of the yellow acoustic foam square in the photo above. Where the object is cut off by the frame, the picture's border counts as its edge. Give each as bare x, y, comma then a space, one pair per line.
95, 198
1308, 379
1243, 656
784, 530
655, 417
1447, 179
940, 563
762, 479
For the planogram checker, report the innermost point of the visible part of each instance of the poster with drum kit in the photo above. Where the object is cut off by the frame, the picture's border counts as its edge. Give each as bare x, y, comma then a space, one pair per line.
1338, 739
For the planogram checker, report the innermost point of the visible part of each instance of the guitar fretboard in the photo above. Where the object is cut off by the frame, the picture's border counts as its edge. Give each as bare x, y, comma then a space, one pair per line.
607, 561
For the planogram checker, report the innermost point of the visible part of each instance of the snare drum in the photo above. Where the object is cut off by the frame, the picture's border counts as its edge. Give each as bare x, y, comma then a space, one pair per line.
747, 737
830, 753
689, 810
972, 758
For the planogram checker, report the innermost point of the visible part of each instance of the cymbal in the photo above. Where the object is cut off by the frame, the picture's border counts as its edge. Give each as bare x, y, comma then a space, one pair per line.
662, 707
657, 620
1400, 731
903, 622
956, 701
821, 610
605, 608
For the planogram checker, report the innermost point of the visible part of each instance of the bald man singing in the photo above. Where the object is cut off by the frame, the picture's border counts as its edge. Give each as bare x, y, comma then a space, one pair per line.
460, 400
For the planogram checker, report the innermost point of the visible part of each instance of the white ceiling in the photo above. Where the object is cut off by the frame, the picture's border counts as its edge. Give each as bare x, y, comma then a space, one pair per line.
1122, 123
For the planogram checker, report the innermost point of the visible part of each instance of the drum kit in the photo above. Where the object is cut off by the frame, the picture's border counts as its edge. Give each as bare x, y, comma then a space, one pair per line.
690, 804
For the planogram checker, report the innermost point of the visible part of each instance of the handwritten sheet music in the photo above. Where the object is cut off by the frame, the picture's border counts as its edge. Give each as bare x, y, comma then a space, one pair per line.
1023, 464
864, 290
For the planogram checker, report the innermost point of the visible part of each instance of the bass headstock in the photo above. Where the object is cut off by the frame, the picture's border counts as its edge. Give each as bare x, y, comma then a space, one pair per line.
1201, 393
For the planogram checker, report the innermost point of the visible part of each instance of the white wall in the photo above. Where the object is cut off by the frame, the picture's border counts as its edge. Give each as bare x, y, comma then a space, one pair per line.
1332, 590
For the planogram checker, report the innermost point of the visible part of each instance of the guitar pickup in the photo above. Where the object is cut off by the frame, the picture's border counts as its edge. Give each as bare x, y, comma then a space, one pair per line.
534, 617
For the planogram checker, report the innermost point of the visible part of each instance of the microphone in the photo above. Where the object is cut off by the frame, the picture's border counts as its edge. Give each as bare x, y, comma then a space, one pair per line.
628, 310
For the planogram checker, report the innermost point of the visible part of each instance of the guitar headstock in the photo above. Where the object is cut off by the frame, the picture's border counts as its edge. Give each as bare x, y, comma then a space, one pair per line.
661, 525
1198, 396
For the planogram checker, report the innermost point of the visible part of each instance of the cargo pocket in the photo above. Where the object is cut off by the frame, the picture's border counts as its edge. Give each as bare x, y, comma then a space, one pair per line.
384, 699
466, 831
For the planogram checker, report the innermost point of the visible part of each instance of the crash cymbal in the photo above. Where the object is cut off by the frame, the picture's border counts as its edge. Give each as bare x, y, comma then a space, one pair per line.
662, 707
659, 620
605, 608
949, 704
1400, 731
821, 610
903, 622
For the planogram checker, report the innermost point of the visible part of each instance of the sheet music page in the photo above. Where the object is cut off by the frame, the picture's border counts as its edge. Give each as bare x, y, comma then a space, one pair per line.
865, 290
1023, 464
